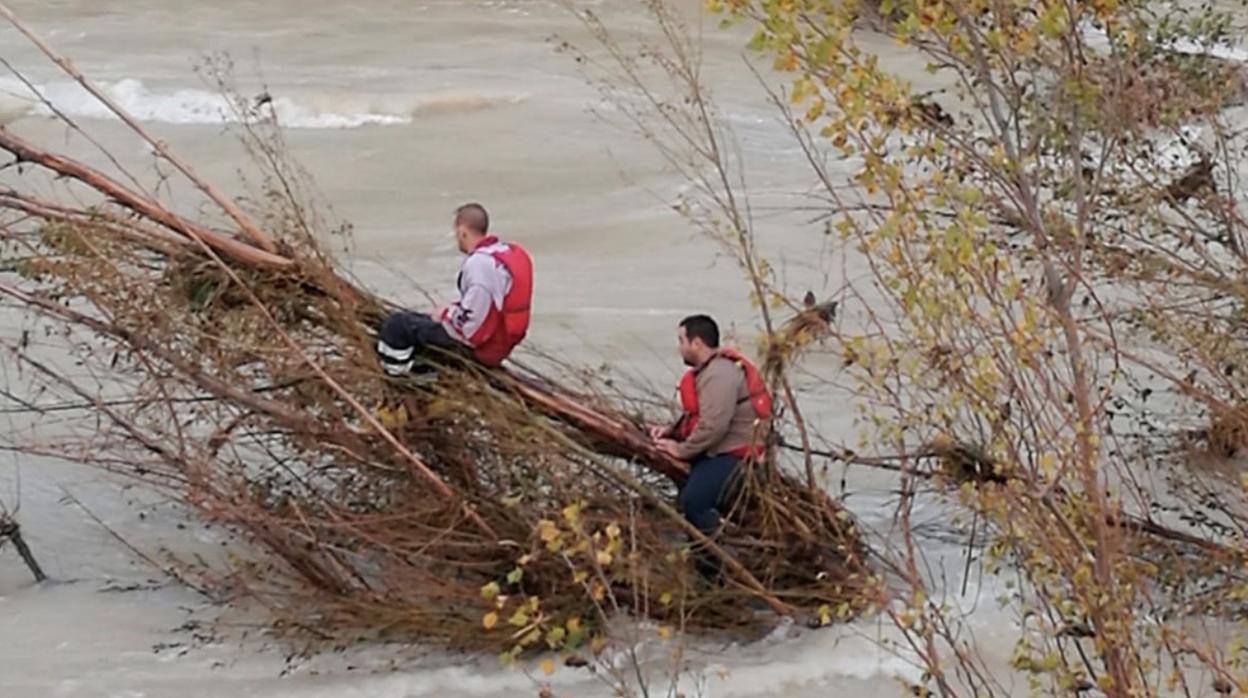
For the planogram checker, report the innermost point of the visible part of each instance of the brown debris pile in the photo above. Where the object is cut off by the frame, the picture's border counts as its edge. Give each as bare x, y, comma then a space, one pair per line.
472, 507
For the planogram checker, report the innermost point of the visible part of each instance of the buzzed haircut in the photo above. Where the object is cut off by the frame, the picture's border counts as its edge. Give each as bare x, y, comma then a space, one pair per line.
473, 216
702, 327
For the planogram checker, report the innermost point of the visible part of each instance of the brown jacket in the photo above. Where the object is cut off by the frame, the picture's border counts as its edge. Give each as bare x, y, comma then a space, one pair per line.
725, 415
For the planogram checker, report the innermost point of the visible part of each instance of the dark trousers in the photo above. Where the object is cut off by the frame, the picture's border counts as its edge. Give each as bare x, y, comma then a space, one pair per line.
708, 491
406, 337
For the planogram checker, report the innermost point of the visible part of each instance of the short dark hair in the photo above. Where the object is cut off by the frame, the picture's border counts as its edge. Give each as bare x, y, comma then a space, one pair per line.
474, 216
702, 327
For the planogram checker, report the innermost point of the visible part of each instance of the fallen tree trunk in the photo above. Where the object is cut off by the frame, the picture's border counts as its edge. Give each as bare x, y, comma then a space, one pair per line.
618, 437
228, 246
615, 436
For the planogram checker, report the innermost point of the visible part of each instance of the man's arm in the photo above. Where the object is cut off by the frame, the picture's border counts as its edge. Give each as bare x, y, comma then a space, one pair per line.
664, 431
469, 319
483, 286
718, 386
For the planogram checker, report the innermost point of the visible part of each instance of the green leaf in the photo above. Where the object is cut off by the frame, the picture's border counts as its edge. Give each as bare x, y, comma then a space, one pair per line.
758, 41
201, 292
556, 636
519, 618
530, 637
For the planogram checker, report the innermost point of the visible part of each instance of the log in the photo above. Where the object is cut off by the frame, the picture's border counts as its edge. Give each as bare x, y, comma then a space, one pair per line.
618, 436
68, 167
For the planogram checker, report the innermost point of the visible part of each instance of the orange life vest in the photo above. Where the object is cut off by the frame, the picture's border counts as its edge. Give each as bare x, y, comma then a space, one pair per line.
759, 399
514, 323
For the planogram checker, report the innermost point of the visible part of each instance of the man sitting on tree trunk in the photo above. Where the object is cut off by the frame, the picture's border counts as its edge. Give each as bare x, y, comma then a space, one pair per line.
724, 406
492, 314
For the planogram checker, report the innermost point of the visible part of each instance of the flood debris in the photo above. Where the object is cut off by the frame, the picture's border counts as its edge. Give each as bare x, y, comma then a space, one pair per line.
225, 359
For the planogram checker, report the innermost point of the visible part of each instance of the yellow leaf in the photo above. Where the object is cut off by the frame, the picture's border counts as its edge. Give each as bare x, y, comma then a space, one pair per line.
392, 418
489, 591
603, 558
519, 618
664, 631
383, 414
665, 598
548, 666
570, 512
490, 620
574, 624
438, 408
547, 530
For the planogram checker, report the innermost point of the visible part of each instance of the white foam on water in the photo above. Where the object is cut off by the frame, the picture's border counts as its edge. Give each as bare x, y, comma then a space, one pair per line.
1097, 37
1227, 53
188, 106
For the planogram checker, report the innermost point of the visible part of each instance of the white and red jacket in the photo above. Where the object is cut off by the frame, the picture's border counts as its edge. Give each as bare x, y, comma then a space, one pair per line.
495, 292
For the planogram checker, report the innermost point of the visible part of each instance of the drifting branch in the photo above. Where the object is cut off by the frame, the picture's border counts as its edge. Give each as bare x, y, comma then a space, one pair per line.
12, 532
230, 247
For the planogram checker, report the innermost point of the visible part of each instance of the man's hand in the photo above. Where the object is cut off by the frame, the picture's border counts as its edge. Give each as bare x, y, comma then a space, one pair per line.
669, 447
658, 432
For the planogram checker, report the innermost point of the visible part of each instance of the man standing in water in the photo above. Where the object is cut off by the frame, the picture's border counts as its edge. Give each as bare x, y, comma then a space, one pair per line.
492, 314
724, 409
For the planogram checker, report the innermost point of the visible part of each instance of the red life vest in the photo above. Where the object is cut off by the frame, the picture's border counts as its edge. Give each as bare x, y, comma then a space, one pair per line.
759, 399
514, 323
